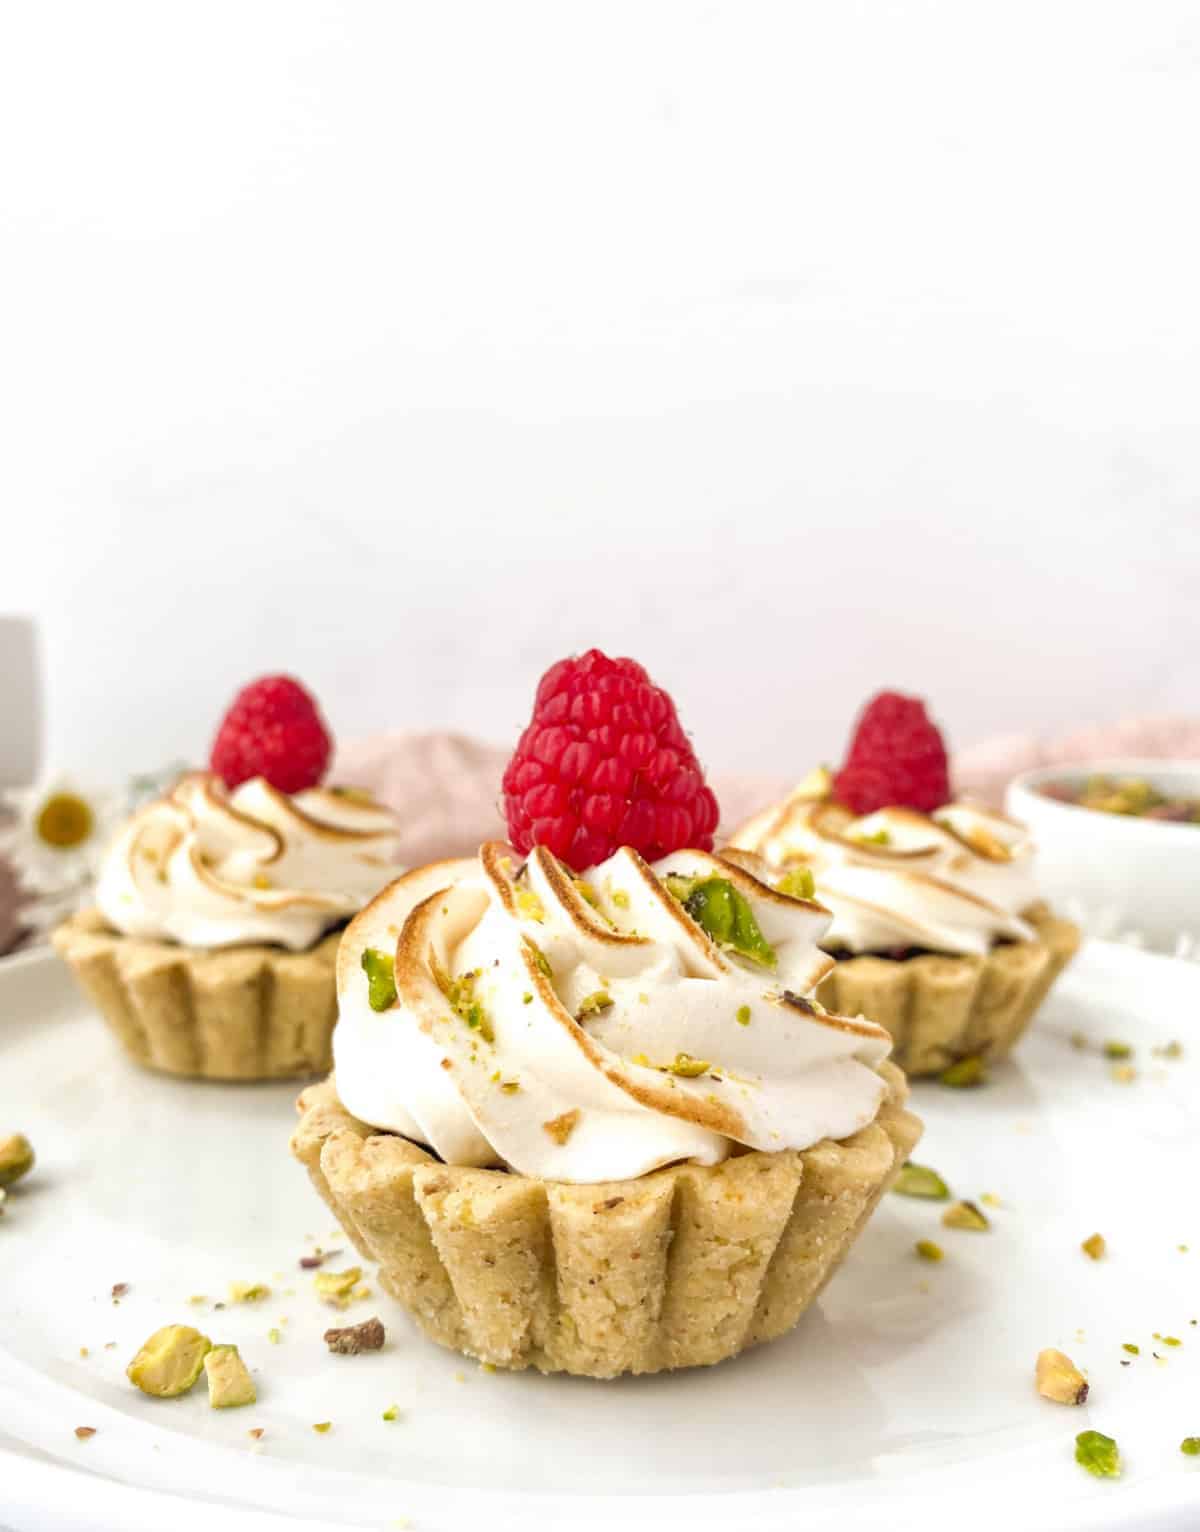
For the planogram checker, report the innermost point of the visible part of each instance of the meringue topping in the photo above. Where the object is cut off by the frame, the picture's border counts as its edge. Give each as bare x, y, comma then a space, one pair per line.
593, 1031
209, 868
955, 881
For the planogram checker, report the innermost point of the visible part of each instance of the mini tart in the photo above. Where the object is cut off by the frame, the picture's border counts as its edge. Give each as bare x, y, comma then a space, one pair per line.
940, 1008
683, 1267
239, 1013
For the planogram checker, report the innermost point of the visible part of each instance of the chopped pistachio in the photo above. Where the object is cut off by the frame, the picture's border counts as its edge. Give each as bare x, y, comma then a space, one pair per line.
380, 969
352, 1340
1094, 1246
229, 1384
540, 961
1117, 1050
169, 1362
725, 914
1131, 1348
248, 1292
586, 892
530, 905
620, 898
467, 1006
1059, 1379
965, 1073
965, 1215
920, 1181
1172, 1050
275, 1335
1190, 1446
743, 1015
880, 837
928, 1251
1099, 1454
592, 1005
337, 1286
392, 1412
322, 1426
509, 1087
798, 883
990, 1200
561, 1128
527, 998
688, 1067
1171, 1340
16, 1158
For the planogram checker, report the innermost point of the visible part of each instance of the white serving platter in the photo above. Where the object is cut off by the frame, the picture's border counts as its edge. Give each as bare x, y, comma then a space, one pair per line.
905, 1398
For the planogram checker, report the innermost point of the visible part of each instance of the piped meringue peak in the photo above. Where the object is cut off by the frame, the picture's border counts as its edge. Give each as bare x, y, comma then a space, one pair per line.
953, 881
591, 1029
207, 867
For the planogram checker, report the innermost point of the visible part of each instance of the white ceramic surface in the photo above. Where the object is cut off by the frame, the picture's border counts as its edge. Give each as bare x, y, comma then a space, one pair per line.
904, 1398
1131, 875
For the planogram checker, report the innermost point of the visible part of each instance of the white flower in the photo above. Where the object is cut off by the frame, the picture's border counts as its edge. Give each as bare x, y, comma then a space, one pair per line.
61, 832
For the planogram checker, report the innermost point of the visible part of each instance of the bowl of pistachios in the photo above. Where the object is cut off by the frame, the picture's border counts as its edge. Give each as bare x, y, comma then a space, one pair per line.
1119, 845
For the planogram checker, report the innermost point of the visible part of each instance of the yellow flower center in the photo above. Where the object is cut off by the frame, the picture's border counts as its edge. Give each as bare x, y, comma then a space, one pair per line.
64, 820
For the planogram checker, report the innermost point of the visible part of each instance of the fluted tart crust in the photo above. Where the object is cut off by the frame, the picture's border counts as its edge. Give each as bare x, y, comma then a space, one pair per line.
683, 1267
237, 1013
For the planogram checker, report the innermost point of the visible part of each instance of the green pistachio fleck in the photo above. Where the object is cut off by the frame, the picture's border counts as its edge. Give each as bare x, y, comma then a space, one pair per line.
1094, 1246
1190, 1446
1170, 1051
540, 961
743, 1015
620, 898
965, 1073
380, 970
679, 887
391, 1413
928, 1251
1171, 1340
718, 907
880, 837
1098, 1454
798, 884
592, 1005
965, 1215
688, 1067
16, 1158
467, 1006
526, 998
920, 1181
1116, 1050
1131, 1348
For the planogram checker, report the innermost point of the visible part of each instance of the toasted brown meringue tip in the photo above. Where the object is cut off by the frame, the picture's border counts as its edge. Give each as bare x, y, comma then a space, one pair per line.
216, 796
756, 882
265, 899
357, 934
320, 828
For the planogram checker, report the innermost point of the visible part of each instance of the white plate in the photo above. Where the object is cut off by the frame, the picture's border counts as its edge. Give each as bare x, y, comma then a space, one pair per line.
904, 1399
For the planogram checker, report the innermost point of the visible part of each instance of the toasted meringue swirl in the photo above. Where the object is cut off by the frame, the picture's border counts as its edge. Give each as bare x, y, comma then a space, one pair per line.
606, 1033
955, 881
209, 868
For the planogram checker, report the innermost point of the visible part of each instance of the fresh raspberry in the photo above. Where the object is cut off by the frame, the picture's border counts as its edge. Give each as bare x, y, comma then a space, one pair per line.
273, 730
897, 757
603, 764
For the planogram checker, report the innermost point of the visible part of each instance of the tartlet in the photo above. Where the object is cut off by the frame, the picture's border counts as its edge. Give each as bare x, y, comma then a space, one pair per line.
938, 930
595, 1125
213, 946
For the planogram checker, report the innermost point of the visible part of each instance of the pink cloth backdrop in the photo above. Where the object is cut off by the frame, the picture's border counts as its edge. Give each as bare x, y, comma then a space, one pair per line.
447, 786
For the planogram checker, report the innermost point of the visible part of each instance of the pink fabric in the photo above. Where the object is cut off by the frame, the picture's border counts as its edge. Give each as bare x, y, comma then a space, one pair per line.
446, 787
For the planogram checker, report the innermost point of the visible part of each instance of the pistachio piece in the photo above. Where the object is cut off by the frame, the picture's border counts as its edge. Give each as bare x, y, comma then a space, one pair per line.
1132, 1349
798, 883
16, 1158
1094, 1246
530, 905
725, 914
1099, 1454
1117, 1050
351, 1340
920, 1181
964, 1073
742, 1015
965, 1215
687, 1067
337, 1286
229, 1384
248, 1292
392, 1412
1190, 1446
592, 1005
380, 969
169, 1362
1059, 1379
928, 1251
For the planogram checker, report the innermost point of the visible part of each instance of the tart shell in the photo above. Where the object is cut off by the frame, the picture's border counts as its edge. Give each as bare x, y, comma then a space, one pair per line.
941, 1008
683, 1267
238, 1013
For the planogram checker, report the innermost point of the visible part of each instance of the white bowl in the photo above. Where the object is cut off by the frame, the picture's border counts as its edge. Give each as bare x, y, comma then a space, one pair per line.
1121, 875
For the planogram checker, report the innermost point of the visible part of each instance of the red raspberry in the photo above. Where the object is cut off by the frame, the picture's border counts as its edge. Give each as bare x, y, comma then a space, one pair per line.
897, 757
273, 730
603, 764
